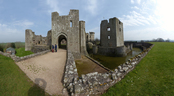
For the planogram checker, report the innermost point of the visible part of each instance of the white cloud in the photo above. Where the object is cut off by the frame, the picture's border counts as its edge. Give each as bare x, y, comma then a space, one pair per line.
132, 1
135, 7
92, 6
139, 1
53, 4
142, 15
14, 31
146, 34
24, 23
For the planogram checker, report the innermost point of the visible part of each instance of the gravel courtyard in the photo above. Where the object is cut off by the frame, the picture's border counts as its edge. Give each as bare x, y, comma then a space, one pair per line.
46, 70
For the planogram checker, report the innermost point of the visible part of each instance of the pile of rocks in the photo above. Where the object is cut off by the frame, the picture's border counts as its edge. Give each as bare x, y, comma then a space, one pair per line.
96, 83
17, 58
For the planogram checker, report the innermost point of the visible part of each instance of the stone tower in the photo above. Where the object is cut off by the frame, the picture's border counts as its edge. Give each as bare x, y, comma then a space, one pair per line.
91, 36
71, 29
29, 35
111, 37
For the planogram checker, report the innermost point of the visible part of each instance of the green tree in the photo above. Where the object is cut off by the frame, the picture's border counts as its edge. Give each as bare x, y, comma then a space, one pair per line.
1, 48
11, 45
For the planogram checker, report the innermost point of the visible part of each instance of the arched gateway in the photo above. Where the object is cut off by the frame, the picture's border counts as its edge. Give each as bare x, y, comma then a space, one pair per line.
62, 41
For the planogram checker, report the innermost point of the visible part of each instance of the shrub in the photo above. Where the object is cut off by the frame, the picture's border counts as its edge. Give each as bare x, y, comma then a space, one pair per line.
11, 45
1, 48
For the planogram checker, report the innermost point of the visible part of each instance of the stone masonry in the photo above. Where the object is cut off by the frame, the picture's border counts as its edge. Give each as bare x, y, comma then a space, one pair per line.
90, 36
96, 83
67, 28
111, 38
36, 43
70, 28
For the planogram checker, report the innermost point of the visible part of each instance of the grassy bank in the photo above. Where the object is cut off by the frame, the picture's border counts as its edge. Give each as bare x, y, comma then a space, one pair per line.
152, 76
21, 52
14, 82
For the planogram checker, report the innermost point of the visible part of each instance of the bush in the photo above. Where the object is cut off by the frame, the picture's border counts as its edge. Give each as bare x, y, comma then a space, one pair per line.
11, 45
19, 45
1, 48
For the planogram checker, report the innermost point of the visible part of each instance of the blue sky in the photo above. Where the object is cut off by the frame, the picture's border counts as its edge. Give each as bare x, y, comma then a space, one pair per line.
142, 19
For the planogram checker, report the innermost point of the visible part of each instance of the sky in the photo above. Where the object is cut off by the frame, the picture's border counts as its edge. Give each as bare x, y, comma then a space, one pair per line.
142, 19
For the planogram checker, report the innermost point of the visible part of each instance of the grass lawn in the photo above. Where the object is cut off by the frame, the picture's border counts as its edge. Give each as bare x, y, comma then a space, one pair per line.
154, 75
21, 52
13, 82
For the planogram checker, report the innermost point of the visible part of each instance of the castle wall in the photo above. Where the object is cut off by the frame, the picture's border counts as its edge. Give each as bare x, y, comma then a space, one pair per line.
87, 37
28, 39
49, 37
119, 33
82, 38
61, 26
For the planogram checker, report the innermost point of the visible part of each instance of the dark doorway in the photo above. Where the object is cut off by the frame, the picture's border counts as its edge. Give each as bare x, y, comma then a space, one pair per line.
62, 41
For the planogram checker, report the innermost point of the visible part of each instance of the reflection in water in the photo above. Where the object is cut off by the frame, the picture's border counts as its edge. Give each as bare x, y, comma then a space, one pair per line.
113, 62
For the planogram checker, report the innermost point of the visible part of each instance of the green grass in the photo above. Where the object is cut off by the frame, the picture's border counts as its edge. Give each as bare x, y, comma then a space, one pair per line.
21, 52
154, 75
13, 82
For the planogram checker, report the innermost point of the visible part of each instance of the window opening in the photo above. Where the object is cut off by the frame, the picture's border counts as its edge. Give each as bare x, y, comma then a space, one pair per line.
109, 37
120, 29
108, 29
70, 23
119, 22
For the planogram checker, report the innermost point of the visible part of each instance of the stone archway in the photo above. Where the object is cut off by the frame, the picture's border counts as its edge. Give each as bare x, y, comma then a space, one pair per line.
62, 42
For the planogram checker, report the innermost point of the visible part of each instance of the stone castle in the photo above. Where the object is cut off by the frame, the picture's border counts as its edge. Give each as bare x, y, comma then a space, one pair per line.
70, 30
67, 28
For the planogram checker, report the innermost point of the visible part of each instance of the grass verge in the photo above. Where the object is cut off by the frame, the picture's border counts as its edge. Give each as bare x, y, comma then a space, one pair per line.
152, 76
21, 52
13, 82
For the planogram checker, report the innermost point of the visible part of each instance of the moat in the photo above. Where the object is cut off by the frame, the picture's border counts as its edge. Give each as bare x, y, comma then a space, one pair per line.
113, 62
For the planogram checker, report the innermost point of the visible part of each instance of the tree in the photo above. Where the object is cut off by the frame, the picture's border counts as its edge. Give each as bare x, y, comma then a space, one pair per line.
168, 40
1, 48
11, 45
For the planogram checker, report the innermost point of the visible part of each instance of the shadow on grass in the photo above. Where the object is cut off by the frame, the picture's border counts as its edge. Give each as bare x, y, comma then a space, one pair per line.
38, 89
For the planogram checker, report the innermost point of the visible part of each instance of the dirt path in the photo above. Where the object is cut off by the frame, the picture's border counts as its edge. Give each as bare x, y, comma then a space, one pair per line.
46, 70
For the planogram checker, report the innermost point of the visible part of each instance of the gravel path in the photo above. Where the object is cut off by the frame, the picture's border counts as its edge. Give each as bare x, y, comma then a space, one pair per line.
46, 70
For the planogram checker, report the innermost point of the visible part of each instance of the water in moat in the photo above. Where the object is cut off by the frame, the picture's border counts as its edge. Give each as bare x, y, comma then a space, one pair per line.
114, 62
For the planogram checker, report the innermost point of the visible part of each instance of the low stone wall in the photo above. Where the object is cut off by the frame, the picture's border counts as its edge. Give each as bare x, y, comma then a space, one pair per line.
96, 83
17, 58
36, 49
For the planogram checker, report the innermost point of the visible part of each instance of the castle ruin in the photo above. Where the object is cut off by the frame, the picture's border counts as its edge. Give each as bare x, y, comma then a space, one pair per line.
90, 36
67, 28
111, 38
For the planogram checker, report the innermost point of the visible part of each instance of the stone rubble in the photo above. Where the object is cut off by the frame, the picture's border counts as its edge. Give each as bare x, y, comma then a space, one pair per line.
96, 83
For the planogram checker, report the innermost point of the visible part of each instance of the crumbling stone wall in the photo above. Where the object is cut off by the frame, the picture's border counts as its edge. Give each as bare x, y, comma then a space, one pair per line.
17, 58
36, 43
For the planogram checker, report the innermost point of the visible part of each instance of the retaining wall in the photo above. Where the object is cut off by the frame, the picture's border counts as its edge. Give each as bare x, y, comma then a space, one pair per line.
96, 83
17, 58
